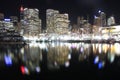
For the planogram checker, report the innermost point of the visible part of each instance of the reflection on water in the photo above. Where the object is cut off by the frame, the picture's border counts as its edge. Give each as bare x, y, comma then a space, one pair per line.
31, 55
9, 54
37, 57
58, 55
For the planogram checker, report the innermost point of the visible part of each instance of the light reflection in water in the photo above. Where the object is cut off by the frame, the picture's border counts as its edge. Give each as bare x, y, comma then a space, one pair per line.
8, 60
105, 48
9, 54
117, 48
58, 54
96, 60
31, 57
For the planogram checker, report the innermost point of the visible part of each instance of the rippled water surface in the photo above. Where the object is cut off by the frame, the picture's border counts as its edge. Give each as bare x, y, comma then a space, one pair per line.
57, 60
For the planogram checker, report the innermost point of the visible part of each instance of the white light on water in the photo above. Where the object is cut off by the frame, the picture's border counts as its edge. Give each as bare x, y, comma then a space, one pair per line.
22, 51
100, 48
117, 48
67, 64
96, 60
69, 56
33, 44
42, 45
112, 58
26, 70
38, 69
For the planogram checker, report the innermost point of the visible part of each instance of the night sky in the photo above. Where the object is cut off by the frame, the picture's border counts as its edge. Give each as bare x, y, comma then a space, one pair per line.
73, 7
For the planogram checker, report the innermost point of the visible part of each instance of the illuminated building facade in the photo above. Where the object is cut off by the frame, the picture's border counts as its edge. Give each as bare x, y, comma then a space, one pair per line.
61, 23
82, 27
111, 21
14, 20
56, 22
58, 56
100, 20
50, 20
80, 22
31, 23
97, 21
97, 25
8, 25
103, 19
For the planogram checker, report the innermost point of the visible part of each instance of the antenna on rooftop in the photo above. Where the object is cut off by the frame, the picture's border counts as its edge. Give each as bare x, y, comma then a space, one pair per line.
21, 6
21, 9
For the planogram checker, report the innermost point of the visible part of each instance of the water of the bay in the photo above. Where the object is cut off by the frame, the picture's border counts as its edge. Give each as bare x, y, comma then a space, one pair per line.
60, 60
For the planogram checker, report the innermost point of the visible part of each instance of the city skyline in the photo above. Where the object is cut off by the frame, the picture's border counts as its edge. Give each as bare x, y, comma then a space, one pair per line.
73, 8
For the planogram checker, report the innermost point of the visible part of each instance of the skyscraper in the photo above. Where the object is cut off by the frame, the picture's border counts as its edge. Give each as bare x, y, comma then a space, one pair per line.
21, 12
50, 20
8, 25
103, 19
14, 20
80, 22
21, 27
56, 22
31, 22
61, 23
100, 20
111, 21
97, 21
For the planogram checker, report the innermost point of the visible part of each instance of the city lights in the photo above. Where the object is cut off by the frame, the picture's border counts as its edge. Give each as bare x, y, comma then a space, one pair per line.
24, 70
96, 60
99, 11
38, 69
8, 60
7, 20
100, 65
60, 39
57, 27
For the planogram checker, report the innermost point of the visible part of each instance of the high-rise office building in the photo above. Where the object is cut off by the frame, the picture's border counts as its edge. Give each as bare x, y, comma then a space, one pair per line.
21, 24
97, 21
14, 20
83, 26
97, 25
56, 22
103, 19
31, 22
61, 23
8, 25
21, 12
80, 22
100, 20
111, 21
50, 20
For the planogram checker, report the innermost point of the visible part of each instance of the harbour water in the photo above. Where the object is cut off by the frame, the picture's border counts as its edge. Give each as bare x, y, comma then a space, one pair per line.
60, 61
